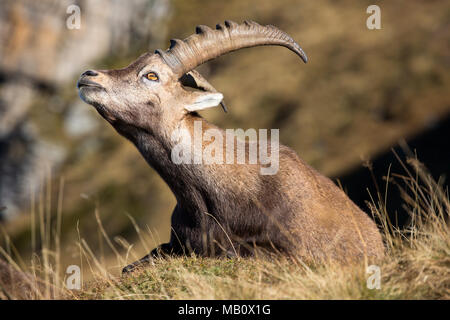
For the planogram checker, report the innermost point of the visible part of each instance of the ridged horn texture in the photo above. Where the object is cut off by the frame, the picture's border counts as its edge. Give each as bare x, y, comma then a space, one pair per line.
185, 55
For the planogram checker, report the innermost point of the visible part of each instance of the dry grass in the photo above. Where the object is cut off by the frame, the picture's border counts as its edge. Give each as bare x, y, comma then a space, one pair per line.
416, 266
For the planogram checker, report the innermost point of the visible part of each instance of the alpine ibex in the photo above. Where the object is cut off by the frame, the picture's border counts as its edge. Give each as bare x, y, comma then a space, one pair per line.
225, 209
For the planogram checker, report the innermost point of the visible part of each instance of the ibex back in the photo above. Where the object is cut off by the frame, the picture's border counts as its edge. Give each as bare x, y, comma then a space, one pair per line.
225, 209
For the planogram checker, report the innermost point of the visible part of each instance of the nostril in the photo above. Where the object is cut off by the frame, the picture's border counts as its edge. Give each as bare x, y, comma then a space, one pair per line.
90, 73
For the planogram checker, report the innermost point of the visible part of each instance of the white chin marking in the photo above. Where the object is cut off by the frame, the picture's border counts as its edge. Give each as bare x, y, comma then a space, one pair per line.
86, 94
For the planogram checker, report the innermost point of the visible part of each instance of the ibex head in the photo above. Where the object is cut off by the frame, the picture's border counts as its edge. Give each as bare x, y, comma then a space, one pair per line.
152, 90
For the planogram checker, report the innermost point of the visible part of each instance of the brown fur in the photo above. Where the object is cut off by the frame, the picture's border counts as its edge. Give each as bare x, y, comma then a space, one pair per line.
229, 209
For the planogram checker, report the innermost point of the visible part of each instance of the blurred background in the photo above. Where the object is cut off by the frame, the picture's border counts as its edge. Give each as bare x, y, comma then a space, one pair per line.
361, 93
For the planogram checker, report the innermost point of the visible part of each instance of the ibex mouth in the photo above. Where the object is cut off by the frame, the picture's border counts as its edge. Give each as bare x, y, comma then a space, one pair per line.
84, 83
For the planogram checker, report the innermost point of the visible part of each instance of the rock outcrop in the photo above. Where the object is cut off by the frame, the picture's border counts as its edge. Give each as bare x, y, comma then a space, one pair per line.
39, 55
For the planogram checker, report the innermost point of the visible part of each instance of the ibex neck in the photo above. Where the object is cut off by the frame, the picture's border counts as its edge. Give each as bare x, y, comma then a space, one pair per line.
185, 179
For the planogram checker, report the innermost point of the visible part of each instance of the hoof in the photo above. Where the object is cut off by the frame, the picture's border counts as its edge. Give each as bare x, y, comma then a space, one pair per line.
129, 269
135, 266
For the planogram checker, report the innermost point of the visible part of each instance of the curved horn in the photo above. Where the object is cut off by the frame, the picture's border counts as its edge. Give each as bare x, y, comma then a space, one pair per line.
207, 44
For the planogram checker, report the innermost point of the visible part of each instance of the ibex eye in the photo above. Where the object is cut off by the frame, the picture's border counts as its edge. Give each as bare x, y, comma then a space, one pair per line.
152, 76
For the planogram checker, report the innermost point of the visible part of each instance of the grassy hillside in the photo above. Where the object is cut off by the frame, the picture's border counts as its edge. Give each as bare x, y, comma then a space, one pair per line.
416, 265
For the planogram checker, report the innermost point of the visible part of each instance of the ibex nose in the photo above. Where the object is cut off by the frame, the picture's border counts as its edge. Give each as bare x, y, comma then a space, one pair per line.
90, 73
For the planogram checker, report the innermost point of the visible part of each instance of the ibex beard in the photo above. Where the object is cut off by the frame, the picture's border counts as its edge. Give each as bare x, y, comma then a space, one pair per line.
226, 209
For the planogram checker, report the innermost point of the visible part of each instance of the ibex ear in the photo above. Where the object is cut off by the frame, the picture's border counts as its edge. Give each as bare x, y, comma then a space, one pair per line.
204, 100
